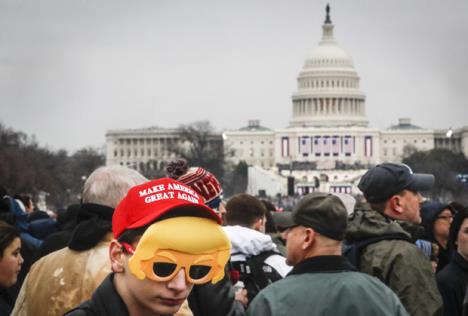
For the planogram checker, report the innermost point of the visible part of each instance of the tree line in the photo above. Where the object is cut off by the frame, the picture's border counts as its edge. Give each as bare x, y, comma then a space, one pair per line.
450, 170
28, 168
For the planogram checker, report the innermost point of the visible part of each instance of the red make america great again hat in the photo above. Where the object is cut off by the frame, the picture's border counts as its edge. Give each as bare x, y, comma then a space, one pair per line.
156, 200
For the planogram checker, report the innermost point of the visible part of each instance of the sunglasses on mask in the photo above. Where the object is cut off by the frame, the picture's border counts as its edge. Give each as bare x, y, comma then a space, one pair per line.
165, 265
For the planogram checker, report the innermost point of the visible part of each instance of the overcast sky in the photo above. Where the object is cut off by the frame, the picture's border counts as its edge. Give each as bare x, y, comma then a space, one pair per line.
71, 69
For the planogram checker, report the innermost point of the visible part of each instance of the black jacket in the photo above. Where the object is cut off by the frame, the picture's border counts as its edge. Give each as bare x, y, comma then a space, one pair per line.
67, 222
452, 282
105, 301
6, 303
215, 299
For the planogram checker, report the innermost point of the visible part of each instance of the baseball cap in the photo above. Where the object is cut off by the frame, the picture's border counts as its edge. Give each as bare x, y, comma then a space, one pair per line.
324, 212
157, 200
387, 179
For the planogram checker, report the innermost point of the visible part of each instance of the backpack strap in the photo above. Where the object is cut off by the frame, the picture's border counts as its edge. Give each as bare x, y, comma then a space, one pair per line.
361, 244
254, 273
354, 250
256, 264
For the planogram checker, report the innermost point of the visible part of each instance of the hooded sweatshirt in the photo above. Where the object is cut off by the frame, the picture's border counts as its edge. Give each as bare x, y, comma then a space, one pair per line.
429, 213
248, 242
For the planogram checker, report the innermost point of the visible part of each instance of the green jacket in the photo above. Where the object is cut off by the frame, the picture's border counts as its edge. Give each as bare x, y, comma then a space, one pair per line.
397, 263
326, 285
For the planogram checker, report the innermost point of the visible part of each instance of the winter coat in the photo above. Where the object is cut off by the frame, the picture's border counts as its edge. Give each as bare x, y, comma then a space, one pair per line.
83, 226
107, 302
452, 282
326, 285
62, 280
397, 263
53, 242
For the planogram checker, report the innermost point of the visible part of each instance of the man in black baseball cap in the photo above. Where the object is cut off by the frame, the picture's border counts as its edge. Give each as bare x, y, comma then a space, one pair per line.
314, 233
394, 190
393, 195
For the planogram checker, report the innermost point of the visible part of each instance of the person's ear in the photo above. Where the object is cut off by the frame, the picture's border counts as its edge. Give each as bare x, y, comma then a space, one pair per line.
259, 224
396, 204
117, 257
309, 237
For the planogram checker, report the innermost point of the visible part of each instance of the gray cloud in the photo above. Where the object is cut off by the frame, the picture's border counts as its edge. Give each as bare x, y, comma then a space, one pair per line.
69, 70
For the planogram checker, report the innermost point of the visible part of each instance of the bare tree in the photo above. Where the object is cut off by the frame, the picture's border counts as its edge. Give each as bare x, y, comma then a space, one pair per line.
445, 165
201, 146
25, 167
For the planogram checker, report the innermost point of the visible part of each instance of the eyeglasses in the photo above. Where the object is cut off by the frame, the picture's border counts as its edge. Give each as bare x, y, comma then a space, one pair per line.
165, 265
446, 217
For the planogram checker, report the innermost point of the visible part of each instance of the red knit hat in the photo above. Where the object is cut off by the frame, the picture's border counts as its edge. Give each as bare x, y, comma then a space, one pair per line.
148, 202
203, 182
199, 179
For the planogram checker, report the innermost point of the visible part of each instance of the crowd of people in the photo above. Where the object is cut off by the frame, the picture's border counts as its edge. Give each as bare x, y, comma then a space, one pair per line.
173, 246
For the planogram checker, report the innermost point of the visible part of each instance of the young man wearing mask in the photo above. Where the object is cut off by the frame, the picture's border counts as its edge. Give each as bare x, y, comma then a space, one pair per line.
166, 240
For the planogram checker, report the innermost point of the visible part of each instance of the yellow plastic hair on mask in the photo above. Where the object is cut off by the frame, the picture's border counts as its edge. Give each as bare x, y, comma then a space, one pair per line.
198, 245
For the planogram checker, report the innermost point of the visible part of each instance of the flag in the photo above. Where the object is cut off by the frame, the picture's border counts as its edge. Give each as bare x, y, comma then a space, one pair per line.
368, 146
305, 146
318, 145
285, 146
335, 145
326, 145
348, 145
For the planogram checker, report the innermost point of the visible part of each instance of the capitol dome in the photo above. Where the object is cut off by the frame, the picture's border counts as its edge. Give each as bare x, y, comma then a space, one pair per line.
328, 87
329, 53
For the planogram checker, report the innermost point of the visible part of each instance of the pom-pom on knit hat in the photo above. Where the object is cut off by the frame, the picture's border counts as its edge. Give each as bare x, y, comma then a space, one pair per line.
199, 179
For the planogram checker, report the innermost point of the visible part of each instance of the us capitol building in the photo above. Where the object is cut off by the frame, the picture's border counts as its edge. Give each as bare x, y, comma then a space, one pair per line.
327, 145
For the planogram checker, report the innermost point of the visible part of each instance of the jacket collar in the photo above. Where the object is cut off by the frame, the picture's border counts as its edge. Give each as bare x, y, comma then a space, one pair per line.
94, 222
366, 223
322, 264
460, 261
107, 299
